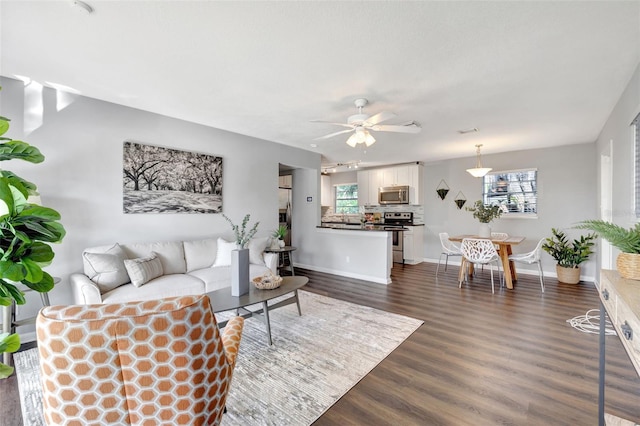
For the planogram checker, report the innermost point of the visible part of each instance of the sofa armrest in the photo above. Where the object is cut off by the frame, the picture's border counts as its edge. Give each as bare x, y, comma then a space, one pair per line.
271, 260
85, 291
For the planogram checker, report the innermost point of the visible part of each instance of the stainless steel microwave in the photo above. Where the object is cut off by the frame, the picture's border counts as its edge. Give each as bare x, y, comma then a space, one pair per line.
393, 195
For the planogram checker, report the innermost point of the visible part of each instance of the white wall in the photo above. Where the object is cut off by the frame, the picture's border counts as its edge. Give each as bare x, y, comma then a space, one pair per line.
566, 194
82, 174
618, 132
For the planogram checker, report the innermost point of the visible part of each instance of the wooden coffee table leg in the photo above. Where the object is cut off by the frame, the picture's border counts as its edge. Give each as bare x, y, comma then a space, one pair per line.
265, 312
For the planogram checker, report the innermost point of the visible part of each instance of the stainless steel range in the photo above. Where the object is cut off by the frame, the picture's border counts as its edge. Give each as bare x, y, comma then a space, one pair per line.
396, 221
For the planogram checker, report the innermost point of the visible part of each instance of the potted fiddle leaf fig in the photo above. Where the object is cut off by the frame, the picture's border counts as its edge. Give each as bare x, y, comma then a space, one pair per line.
26, 229
9, 343
568, 254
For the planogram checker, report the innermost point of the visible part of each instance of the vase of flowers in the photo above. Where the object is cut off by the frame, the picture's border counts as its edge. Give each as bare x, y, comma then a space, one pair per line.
279, 235
485, 213
240, 256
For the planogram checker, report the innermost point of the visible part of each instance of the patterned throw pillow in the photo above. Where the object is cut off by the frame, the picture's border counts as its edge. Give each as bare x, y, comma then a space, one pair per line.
143, 269
106, 269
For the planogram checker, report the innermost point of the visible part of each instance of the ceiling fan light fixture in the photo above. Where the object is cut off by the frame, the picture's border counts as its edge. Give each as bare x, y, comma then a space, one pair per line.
369, 139
353, 140
478, 170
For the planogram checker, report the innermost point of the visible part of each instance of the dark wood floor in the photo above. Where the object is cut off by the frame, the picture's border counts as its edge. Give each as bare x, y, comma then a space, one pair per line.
479, 359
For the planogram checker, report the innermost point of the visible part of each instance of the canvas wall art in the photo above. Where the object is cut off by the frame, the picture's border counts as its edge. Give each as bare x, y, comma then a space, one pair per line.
163, 180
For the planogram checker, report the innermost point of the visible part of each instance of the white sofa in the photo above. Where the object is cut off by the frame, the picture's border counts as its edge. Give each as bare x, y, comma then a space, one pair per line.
143, 271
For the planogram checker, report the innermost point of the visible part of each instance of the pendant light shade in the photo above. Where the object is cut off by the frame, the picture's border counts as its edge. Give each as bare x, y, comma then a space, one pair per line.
478, 170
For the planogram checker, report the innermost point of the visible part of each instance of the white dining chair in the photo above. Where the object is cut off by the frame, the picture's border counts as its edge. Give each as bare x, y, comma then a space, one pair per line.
480, 251
449, 248
531, 258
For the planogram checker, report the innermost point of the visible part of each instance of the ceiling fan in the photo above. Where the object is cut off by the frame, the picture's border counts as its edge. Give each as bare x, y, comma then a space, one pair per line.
360, 124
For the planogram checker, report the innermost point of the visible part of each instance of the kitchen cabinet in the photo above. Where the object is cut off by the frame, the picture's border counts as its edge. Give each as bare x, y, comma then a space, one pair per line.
407, 174
326, 191
412, 241
285, 181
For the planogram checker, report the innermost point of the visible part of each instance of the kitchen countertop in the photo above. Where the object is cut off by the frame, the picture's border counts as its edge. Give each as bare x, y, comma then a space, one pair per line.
356, 227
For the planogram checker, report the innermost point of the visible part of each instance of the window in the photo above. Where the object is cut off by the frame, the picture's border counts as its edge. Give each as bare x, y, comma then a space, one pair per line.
515, 191
636, 124
347, 199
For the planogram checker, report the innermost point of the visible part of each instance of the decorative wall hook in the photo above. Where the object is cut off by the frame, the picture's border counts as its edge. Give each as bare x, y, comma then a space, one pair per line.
460, 200
442, 189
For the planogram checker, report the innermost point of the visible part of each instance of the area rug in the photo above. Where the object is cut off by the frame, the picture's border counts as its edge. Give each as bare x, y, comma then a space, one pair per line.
314, 360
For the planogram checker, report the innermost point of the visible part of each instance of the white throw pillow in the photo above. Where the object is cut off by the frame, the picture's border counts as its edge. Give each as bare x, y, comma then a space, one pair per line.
143, 269
223, 255
106, 269
256, 249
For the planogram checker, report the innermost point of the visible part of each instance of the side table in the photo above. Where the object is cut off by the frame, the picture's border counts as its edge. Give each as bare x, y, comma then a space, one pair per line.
9, 322
284, 257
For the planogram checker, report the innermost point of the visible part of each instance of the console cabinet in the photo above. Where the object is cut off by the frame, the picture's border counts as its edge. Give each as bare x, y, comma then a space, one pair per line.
620, 298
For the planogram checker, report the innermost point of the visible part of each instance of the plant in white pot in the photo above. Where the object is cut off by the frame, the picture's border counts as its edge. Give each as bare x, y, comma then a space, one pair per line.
568, 254
279, 234
485, 213
240, 256
625, 240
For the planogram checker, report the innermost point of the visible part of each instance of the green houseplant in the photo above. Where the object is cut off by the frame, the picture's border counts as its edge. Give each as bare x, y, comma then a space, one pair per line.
26, 230
485, 213
568, 254
279, 234
242, 235
625, 240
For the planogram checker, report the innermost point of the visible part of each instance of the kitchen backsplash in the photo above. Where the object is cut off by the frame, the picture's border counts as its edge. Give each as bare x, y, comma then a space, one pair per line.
328, 215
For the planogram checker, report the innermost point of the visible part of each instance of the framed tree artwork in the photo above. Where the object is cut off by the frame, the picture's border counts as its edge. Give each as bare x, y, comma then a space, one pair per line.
163, 180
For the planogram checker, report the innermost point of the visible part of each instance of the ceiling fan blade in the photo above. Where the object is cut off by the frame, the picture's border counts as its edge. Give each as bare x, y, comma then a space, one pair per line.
331, 122
408, 128
378, 118
330, 135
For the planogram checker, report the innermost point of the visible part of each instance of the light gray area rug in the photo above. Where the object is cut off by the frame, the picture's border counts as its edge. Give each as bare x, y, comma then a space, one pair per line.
315, 359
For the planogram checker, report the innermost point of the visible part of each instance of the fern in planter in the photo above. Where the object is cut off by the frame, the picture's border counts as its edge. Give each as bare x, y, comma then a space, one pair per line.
626, 240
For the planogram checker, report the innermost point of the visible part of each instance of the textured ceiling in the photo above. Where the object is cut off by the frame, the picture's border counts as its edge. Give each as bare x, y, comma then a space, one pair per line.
526, 74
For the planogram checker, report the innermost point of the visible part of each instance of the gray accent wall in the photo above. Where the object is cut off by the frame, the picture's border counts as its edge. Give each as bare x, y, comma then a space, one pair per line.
81, 176
566, 194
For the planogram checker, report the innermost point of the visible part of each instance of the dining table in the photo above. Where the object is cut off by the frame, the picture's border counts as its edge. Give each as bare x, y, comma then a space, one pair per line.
504, 250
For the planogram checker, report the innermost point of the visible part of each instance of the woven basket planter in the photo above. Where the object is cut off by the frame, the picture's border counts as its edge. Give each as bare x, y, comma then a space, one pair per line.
568, 275
628, 265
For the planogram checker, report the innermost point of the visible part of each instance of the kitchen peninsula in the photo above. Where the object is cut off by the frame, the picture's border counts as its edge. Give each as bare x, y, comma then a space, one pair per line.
358, 251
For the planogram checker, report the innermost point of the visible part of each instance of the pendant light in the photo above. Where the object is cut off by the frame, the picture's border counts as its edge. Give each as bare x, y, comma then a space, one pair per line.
478, 170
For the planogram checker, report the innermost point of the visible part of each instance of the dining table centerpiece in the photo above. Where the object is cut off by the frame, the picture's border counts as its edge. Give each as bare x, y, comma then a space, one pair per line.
625, 240
485, 213
240, 256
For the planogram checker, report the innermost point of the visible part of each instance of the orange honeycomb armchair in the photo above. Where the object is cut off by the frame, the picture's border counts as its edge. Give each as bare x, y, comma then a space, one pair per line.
152, 362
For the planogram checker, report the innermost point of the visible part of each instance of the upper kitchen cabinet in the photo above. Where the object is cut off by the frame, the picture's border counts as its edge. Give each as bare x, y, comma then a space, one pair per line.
326, 192
285, 181
369, 181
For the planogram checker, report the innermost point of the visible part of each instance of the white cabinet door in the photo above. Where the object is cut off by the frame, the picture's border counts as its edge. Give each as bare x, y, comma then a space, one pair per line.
285, 181
326, 193
389, 176
375, 182
402, 175
363, 187
416, 174
407, 240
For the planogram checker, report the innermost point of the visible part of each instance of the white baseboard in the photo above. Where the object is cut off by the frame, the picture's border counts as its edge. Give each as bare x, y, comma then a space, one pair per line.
376, 280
